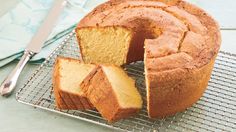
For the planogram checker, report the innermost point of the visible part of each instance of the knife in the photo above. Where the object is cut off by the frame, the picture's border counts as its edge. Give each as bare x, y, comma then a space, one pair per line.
33, 47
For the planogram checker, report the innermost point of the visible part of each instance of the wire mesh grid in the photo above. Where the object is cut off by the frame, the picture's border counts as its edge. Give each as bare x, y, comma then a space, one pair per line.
215, 111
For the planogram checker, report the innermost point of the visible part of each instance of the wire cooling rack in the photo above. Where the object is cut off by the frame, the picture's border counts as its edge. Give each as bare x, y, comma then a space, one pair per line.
215, 111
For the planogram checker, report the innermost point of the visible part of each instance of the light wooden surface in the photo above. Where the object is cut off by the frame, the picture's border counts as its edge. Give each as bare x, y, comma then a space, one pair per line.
16, 117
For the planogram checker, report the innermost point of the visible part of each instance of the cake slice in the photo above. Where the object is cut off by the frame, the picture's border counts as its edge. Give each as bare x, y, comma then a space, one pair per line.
67, 76
112, 92
105, 45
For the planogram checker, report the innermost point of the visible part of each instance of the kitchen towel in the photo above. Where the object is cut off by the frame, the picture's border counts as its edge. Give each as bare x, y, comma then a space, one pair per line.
18, 26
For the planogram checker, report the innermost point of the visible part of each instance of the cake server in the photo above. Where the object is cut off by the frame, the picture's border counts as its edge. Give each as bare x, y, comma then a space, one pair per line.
33, 47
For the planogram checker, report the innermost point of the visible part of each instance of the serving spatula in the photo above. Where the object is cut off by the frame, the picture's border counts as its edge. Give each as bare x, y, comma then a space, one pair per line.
33, 47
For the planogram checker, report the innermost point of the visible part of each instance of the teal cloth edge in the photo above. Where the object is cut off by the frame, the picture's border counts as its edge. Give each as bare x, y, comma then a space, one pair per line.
18, 55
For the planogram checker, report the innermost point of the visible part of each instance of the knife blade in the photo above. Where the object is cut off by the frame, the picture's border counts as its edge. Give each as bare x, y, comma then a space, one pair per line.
41, 36
34, 46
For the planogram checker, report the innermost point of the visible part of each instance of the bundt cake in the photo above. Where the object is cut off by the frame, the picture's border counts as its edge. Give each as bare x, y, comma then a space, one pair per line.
112, 92
177, 41
67, 76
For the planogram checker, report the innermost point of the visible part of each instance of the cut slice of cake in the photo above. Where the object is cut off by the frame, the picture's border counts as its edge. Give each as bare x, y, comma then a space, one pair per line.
105, 45
112, 92
67, 76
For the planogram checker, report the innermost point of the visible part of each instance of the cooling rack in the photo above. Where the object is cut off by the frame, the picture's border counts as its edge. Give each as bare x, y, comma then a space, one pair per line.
215, 111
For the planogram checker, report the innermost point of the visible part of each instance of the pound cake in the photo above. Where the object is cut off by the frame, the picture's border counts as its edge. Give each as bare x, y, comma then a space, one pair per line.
67, 76
177, 41
112, 92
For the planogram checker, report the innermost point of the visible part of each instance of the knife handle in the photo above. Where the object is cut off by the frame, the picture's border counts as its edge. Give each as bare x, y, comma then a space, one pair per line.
8, 85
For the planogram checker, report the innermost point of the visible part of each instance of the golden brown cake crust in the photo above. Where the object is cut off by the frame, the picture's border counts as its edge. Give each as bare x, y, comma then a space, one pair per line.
181, 43
182, 90
98, 90
178, 18
65, 99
